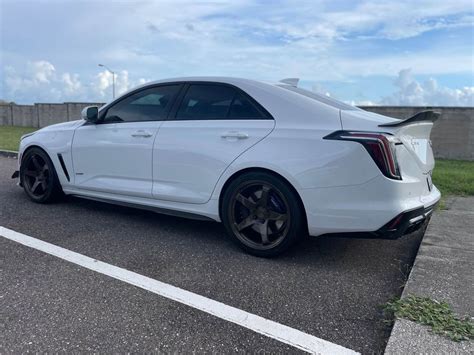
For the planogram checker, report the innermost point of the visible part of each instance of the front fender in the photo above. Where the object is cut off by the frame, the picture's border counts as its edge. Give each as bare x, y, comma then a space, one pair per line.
53, 143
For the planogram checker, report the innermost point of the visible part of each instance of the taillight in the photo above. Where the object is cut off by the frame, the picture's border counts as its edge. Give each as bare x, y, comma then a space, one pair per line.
381, 147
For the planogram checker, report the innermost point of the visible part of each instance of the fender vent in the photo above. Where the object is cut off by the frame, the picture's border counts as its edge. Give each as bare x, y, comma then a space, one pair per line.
61, 161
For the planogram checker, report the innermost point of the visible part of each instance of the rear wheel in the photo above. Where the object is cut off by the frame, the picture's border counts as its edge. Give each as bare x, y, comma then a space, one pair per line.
38, 177
262, 214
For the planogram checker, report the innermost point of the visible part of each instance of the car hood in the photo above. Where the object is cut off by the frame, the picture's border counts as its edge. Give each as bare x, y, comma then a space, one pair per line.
62, 126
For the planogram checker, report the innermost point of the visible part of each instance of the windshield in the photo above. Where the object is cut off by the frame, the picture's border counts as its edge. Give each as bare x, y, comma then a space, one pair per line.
321, 98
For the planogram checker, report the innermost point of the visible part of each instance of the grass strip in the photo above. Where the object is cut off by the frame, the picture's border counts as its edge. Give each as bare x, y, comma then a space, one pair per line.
437, 315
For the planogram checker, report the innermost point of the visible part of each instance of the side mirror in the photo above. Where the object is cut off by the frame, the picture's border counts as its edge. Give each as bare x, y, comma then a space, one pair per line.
90, 114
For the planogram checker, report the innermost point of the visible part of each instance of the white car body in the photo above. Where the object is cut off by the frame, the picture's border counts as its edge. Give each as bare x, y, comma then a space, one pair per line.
182, 166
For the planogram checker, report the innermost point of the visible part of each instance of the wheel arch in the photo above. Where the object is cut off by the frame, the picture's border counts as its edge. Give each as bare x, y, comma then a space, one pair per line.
53, 192
263, 170
32, 146
48, 154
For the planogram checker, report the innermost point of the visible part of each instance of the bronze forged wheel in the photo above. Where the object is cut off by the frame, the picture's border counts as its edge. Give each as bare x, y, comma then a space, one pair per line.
38, 176
262, 213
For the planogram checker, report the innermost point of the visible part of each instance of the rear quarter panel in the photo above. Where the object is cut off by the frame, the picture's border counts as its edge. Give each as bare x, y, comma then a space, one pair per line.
296, 150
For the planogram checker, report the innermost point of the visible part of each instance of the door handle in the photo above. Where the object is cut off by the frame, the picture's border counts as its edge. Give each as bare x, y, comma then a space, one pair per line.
141, 133
235, 134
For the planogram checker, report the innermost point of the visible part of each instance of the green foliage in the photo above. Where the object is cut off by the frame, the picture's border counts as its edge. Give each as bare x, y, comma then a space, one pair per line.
437, 315
10, 136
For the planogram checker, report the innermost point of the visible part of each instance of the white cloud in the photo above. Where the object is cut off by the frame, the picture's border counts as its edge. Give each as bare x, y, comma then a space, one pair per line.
103, 83
42, 71
35, 74
400, 19
318, 41
72, 84
39, 81
122, 82
217, 32
413, 93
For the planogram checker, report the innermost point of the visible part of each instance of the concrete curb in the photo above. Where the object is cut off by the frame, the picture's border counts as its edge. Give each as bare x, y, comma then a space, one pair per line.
8, 153
442, 271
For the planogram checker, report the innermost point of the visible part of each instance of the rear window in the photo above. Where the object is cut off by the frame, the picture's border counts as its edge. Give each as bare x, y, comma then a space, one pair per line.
242, 108
217, 102
203, 102
321, 98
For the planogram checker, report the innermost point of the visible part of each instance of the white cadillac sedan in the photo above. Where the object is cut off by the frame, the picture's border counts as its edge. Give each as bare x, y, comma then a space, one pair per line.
272, 161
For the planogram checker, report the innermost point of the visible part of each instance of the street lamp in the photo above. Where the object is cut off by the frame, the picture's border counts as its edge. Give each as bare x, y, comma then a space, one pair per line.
113, 78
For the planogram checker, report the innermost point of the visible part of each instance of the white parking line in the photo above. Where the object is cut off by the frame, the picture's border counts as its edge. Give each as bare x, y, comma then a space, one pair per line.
248, 320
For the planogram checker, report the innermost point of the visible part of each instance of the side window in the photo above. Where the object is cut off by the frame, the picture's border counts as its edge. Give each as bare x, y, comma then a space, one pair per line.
206, 102
243, 108
147, 105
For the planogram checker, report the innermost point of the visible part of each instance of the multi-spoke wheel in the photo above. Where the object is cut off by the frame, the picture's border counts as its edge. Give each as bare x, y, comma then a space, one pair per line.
38, 176
262, 213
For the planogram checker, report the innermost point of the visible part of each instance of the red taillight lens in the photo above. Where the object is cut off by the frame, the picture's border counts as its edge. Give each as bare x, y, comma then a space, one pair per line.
381, 147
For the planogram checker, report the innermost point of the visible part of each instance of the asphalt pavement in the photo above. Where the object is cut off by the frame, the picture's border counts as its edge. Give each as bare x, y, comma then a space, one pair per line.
332, 288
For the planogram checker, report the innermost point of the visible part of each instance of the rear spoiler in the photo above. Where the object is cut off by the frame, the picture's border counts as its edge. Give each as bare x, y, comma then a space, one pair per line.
430, 116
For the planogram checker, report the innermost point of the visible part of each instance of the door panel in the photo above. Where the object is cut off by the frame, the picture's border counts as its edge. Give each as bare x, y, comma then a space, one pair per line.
189, 156
115, 157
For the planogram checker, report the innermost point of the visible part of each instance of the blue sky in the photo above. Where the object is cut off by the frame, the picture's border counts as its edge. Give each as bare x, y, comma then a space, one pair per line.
363, 52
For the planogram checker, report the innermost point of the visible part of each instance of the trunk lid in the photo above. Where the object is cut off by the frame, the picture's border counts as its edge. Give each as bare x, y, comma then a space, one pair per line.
414, 133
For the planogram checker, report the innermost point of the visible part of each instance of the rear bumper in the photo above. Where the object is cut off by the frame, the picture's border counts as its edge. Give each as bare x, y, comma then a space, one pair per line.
405, 223
378, 208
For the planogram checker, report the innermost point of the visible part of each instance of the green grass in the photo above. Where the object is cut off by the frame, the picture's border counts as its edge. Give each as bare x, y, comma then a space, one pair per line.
10, 136
438, 315
454, 177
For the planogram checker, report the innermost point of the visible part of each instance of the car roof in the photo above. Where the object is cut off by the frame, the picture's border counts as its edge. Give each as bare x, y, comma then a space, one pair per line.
280, 89
290, 84
206, 78
217, 79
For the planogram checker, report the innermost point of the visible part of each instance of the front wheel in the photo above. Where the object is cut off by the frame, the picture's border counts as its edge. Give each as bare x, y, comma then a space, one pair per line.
38, 177
262, 214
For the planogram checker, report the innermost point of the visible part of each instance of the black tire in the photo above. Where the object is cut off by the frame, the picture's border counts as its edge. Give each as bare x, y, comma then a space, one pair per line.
262, 214
38, 177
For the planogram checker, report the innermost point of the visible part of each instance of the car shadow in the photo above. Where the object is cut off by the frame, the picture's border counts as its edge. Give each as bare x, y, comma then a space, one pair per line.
310, 250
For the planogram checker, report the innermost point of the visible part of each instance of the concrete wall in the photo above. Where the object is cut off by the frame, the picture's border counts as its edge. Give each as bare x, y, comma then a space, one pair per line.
24, 115
49, 114
74, 109
5, 115
452, 134
41, 114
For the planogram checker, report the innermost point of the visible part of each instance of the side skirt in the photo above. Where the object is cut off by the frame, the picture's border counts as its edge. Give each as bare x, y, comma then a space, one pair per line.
166, 211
